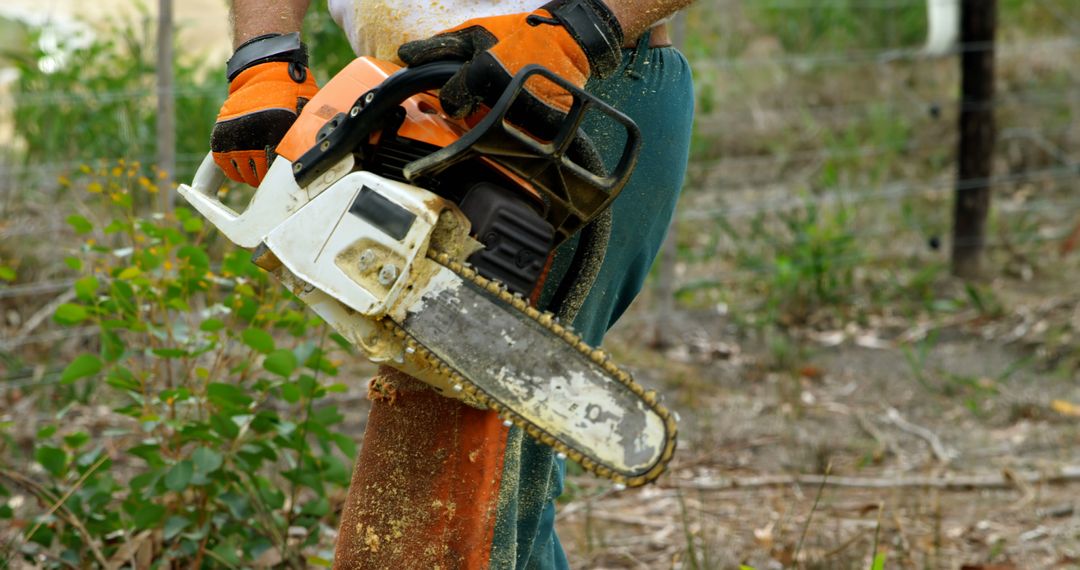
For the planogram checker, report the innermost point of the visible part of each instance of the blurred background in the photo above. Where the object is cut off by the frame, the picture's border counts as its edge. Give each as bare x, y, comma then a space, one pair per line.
866, 376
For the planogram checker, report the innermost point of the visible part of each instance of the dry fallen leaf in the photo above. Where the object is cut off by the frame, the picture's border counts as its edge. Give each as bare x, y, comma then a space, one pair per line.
1065, 408
812, 372
764, 536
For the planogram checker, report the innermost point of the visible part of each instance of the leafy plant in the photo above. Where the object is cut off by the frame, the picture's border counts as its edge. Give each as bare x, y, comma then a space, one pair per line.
221, 446
814, 256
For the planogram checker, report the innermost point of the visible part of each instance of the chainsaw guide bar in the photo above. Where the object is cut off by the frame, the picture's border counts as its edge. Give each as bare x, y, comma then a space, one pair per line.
641, 463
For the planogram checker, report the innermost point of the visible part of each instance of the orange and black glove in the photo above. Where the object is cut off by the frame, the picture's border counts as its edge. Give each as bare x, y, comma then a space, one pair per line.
269, 84
571, 38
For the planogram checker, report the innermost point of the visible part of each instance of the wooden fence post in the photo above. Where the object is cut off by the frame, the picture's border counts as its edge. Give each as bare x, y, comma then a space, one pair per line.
166, 105
978, 20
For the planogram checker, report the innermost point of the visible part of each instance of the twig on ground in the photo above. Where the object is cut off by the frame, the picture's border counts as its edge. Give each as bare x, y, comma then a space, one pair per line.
46, 497
587, 501
43, 313
901, 532
48, 337
877, 531
919, 331
948, 482
813, 509
886, 443
1026, 492
943, 454
844, 545
631, 520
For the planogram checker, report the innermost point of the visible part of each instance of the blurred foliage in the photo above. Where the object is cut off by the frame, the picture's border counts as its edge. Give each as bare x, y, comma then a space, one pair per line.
81, 103
802, 27
329, 49
220, 446
77, 103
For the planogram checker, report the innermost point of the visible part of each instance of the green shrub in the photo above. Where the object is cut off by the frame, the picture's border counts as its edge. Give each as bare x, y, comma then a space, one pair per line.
831, 25
807, 261
221, 445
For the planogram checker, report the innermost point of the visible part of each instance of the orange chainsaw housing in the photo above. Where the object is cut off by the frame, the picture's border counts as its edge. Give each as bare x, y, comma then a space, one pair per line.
424, 119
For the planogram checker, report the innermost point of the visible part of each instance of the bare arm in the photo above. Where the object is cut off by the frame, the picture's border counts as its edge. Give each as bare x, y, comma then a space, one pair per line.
636, 16
253, 18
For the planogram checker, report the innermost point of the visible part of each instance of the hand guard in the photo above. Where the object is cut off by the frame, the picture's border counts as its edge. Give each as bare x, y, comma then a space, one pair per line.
572, 38
269, 85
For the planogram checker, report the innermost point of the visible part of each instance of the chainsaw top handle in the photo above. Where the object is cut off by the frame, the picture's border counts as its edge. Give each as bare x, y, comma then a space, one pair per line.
574, 186
367, 115
573, 193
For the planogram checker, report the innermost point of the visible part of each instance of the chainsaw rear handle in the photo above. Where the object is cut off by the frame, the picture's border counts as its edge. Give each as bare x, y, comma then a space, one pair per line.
276, 198
202, 195
209, 178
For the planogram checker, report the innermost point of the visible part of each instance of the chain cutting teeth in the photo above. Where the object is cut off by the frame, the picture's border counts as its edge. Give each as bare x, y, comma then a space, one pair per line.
549, 322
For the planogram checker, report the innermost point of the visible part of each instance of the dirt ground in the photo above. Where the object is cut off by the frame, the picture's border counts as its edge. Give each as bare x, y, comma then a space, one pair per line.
948, 444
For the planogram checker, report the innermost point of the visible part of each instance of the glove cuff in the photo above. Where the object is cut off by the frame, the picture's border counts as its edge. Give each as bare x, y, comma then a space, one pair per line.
593, 25
267, 48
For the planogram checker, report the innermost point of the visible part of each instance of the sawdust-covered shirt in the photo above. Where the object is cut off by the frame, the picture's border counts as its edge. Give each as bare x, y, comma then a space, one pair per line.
377, 27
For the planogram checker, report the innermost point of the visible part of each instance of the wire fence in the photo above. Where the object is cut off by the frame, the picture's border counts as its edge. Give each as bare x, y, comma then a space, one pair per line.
866, 134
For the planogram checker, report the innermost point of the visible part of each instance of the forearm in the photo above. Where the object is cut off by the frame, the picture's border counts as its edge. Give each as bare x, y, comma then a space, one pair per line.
253, 18
636, 16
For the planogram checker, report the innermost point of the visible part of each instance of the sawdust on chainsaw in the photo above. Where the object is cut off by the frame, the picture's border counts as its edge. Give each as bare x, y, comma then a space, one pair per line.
379, 390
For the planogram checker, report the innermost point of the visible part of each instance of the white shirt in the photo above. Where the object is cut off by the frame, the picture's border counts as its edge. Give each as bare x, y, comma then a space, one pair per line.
377, 27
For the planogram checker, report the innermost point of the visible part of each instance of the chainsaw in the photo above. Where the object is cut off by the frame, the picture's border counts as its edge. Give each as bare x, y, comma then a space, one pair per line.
419, 238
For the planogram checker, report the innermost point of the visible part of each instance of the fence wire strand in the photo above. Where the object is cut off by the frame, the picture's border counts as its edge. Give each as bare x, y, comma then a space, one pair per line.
715, 193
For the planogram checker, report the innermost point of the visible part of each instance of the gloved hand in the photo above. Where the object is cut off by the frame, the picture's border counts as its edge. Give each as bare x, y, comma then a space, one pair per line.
572, 38
269, 83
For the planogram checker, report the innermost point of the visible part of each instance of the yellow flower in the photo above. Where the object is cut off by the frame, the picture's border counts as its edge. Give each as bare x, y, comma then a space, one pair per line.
117, 172
85, 168
148, 185
63, 180
94, 188
167, 265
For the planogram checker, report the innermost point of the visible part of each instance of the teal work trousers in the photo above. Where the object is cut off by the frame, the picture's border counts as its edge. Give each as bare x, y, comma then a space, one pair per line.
653, 86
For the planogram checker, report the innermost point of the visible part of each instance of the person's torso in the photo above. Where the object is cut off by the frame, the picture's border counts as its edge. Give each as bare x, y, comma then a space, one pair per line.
377, 27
